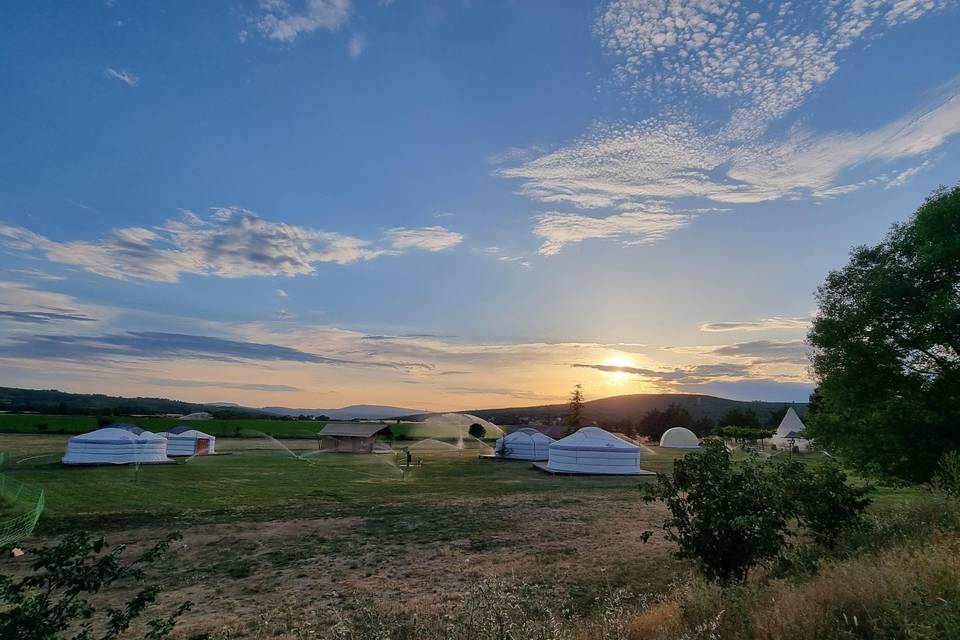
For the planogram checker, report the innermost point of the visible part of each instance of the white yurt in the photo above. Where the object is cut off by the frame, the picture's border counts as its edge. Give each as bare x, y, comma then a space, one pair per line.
592, 450
117, 444
524, 444
790, 426
186, 441
679, 438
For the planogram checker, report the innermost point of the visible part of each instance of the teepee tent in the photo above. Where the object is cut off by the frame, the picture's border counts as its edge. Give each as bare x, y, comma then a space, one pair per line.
524, 444
184, 441
592, 450
679, 438
790, 428
116, 444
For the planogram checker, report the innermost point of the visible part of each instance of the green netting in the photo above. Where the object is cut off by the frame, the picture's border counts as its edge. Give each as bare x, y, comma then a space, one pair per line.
20, 509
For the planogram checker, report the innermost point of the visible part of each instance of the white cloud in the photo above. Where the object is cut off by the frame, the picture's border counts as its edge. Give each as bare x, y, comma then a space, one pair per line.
657, 161
123, 75
230, 243
427, 238
765, 324
640, 227
907, 174
760, 60
280, 22
357, 45
754, 64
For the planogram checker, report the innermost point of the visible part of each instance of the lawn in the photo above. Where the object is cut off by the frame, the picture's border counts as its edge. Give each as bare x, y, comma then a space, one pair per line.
261, 525
258, 483
32, 423
37, 423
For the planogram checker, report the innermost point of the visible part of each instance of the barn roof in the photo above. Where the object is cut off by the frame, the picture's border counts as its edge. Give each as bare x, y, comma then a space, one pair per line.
353, 429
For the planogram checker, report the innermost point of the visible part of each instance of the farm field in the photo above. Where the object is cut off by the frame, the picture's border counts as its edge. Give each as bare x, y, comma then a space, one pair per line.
260, 524
67, 424
31, 423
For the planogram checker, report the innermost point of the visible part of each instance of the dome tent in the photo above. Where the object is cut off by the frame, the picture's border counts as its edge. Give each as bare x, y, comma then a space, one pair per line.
679, 438
789, 428
116, 444
524, 444
184, 441
592, 450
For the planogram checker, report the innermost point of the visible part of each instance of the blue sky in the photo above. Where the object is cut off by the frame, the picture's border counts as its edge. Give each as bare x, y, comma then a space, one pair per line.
449, 204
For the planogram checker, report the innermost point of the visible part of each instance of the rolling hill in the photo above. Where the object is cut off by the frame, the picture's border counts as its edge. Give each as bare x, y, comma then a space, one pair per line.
616, 409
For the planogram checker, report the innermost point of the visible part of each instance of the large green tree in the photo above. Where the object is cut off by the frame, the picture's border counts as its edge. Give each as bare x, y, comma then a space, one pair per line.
887, 347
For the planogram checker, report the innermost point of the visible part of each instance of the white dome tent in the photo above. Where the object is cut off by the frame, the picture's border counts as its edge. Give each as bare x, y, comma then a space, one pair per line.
185, 441
524, 444
116, 444
788, 431
679, 438
592, 450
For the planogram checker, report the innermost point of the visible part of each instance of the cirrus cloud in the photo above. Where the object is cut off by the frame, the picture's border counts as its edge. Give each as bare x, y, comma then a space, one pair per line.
765, 324
426, 238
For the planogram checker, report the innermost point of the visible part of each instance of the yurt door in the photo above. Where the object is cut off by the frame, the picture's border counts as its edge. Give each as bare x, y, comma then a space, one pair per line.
203, 447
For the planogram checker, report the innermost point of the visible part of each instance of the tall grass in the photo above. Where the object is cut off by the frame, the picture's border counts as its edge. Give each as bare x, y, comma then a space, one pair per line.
898, 578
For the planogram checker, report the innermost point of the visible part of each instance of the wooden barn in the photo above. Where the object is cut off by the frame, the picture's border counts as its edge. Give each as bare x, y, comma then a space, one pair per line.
351, 437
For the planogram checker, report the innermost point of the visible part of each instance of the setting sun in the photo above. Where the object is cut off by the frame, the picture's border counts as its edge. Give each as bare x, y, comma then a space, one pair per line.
619, 377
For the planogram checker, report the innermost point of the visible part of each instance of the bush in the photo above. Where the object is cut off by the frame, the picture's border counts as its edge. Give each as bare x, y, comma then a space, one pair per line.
53, 602
477, 431
729, 517
947, 478
823, 502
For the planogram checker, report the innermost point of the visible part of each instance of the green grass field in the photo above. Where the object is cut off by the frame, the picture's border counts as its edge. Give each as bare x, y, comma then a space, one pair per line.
28, 423
36, 423
269, 483
261, 525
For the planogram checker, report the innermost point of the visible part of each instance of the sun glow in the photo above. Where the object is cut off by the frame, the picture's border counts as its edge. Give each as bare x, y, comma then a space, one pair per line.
618, 377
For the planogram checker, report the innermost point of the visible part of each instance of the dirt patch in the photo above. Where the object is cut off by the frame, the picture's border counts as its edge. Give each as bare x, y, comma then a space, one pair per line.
237, 572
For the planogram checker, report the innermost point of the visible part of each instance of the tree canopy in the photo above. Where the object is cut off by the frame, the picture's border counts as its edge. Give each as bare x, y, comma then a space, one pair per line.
740, 418
887, 347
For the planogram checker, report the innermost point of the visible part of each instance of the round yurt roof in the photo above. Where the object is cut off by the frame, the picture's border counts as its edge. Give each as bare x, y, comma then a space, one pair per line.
116, 434
679, 438
594, 439
187, 432
527, 435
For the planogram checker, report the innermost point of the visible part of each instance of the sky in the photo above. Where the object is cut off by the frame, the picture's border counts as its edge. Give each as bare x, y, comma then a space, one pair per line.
451, 205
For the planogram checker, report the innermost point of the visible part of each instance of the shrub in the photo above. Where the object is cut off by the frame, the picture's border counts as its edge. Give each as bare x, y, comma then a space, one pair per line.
53, 601
726, 517
477, 431
729, 517
947, 478
823, 502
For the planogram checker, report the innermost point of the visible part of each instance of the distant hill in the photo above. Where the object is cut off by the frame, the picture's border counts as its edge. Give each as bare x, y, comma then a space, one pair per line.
359, 411
51, 401
616, 409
